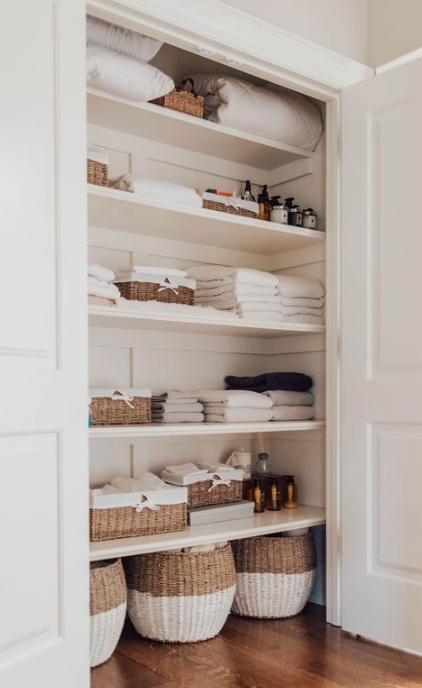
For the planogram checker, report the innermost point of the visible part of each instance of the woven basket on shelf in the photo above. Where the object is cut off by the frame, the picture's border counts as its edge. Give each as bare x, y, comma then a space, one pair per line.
274, 575
180, 597
107, 601
126, 521
183, 101
97, 165
223, 208
203, 493
150, 291
107, 411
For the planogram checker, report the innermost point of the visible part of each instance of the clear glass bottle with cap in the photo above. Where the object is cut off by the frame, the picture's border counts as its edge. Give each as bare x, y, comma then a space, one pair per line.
310, 220
279, 211
263, 465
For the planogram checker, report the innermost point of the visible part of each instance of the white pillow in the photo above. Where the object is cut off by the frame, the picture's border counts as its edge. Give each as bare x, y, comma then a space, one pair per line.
124, 41
283, 116
115, 73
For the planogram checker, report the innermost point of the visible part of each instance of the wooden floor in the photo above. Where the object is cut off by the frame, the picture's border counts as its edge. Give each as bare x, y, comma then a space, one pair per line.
303, 652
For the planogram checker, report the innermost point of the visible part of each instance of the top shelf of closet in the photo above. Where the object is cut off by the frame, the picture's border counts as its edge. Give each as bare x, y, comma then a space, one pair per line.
191, 133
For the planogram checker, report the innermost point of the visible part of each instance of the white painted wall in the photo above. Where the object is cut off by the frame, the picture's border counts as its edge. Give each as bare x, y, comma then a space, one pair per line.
394, 29
336, 24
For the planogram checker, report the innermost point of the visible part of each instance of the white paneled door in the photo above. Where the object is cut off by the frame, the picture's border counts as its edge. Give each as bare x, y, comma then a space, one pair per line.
44, 609
381, 357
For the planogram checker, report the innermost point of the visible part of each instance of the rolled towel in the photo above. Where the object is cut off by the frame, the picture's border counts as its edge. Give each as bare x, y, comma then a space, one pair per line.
234, 398
179, 418
281, 397
294, 382
303, 287
239, 415
293, 413
122, 40
244, 275
154, 189
100, 272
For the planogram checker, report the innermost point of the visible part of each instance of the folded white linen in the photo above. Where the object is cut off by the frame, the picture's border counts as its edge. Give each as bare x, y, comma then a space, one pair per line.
267, 316
246, 306
284, 398
239, 415
100, 272
293, 413
179, 418
154, 189
175, 394
111, 392
191, 479
185, 469
301, 301
215, 467
103, 292
244, 275
234, 398
124, 76
149, 495
300, 310
168, 407
124, 41
95, 282
230, 297
236, 289
304, 287
303, 319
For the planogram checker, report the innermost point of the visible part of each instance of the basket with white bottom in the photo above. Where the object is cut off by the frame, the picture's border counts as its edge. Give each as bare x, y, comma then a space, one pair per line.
181, 597
107, 608
274, 575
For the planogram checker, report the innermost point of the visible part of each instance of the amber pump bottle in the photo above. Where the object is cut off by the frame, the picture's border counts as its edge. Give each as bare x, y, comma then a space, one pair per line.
264, 204
274, 503
290, 493
258, 497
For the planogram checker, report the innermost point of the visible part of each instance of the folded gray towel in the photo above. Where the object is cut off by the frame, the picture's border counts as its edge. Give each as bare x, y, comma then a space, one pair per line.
283, 397
179, 418
168, 407
293, 412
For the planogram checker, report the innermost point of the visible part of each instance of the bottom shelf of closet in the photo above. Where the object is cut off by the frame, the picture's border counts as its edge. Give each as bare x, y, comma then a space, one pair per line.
260, 524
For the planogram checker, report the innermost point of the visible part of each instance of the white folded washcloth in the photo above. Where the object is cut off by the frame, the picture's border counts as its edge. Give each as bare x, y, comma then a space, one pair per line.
301, 301
293, 413
186, 469
234, 398
220, 474
179, 418
154, 189
284, 398
100, 272
304, 287
215, 467
244, 275
148, 481
239, 415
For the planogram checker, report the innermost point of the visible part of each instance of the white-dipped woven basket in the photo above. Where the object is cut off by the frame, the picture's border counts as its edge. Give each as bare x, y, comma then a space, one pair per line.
274, 576
181, 597
107, 609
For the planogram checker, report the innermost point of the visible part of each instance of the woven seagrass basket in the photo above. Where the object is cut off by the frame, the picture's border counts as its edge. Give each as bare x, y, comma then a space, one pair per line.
223, 208
150, 291
97, 173
107, 411
203, 493
126, 521
183, 101
107, 602
274, 575
180, 597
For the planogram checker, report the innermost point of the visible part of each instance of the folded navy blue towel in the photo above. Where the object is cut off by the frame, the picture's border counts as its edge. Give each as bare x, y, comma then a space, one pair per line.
291, 382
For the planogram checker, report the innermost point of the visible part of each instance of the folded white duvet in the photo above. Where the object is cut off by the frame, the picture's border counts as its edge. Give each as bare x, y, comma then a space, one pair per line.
124, 76
303, 287
240, 415
281, 115
293, 413
234, 398
124, 41
154, 189
285, 398
205, 273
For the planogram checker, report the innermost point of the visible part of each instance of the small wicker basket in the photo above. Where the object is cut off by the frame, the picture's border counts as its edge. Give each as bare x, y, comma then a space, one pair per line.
150, 291
108, 602
108, 411
183, 101
223, 208
205, 493
274, 575
97, 166
126, 521
180, 597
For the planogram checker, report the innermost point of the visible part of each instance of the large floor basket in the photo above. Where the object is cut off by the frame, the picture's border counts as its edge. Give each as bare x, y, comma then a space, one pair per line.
180, 597
107, 608
274, 575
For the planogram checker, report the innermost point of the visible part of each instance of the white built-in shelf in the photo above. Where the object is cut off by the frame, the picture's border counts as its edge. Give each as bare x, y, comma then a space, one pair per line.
200, 429
105, 316
173, 128
260, 524
124, 211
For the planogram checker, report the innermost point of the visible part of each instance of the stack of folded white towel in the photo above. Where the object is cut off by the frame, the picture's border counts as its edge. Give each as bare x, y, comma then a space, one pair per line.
301, 299
101, 291
235, 406
177, 407
252, 294
156, 190
190, 473
291, 405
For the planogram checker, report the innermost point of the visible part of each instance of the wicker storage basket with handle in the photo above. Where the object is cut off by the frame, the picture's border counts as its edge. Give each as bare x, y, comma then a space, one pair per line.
274, 575
107, 608
181, 597
182, 100
121, 407
97, 166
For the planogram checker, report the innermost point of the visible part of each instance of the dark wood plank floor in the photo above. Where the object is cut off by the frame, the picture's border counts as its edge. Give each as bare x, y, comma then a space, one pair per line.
303, 652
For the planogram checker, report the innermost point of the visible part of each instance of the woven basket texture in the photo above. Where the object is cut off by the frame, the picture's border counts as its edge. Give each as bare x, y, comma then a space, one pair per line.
274, 575
199, 494
106, 411
182, 101
222, 208
149, 291
121, 522
181, 597
107, 609
97, 173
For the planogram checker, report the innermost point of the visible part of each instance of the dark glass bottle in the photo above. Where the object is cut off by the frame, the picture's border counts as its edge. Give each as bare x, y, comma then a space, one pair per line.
264, 204
258, 497
247, 194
